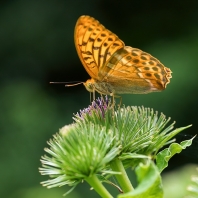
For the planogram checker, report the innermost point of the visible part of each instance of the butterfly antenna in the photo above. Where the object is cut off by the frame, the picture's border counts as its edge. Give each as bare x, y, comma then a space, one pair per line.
67, 84
70, 85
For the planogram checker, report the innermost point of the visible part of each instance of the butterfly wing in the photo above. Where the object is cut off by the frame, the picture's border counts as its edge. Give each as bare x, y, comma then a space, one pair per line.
130, 70
94, 44
114, 67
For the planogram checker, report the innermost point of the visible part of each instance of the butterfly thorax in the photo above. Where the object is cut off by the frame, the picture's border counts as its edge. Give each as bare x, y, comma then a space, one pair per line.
93, 85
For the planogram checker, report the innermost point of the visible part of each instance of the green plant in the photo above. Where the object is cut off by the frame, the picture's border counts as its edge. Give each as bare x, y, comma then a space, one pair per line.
104, 141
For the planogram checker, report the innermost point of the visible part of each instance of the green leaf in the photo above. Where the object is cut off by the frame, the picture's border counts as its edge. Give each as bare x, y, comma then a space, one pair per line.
150, 184
164, 156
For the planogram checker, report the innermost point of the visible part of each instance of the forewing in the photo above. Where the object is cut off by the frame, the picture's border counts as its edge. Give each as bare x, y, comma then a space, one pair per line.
94, 44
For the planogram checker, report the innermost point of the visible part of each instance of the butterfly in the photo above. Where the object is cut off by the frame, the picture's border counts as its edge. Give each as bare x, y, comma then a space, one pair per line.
113, 67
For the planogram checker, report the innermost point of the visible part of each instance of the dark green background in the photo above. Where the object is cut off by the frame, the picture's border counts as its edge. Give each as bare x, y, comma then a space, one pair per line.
37, 46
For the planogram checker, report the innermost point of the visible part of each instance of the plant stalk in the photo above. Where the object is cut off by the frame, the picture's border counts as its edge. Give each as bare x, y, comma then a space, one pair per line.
98, 187
122, 178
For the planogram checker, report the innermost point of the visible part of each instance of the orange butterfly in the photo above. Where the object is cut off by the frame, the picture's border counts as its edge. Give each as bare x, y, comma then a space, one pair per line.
115, 68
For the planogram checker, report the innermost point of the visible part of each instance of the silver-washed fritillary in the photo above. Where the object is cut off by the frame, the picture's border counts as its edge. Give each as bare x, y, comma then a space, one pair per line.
115, 68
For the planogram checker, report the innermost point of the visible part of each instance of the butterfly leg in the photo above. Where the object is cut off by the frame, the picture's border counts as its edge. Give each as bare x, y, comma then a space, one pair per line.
90, 96
120, 100
114, 101
102, 99
94, 95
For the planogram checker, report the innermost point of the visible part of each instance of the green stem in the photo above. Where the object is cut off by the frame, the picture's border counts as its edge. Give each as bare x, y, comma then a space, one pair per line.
122, 178
98, 187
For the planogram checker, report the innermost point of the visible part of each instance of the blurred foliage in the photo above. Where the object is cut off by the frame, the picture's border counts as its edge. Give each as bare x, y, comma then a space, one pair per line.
175, 182
36, 46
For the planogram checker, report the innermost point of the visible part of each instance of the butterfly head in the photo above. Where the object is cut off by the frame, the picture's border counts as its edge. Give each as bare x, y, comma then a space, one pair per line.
89, 85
